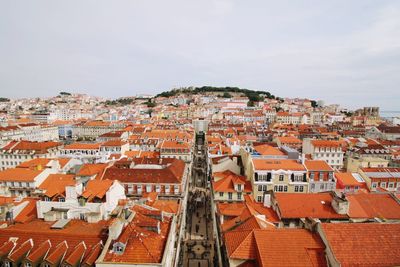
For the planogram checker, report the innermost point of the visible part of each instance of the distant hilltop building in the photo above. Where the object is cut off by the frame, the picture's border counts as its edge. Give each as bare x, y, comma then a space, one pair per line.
368, 111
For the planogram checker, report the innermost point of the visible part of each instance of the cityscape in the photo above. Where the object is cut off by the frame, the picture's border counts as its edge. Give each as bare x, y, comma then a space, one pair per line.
214, 133
197, 176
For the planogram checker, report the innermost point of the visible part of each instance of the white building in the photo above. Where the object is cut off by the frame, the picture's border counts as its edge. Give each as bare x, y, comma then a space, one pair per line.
93, 203
327, 150
16, 152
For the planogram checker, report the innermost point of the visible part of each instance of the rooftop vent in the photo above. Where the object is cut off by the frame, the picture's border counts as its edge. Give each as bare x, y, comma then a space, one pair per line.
60, 224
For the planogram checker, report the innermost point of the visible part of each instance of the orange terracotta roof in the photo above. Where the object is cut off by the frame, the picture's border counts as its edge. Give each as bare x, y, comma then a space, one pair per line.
28, 213
142, 245
114, 143
325, 143
277, 164
347, 179
364, 244
58, 253
227, 181
34, 163
314, 205
174, 145
62, 240
55, 184
76, 256
91, 169
19, 175
96, 189
21, 251
170, 206
231, 209
172, 173
83, 146
40, 252
93, 254
6, 247
289, 140
240, 244
37, 147
289, 247
373, 205
317, 165
268, 150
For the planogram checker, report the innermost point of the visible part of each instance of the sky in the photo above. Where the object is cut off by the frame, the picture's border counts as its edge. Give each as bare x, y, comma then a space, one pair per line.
344, 52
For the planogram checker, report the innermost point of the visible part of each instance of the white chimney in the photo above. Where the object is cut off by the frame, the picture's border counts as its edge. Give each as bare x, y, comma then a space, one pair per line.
267, 200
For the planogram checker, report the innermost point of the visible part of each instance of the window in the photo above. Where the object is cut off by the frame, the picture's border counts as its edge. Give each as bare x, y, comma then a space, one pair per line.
391, 185
148, 188
264, 188
47, 199
374, 185
61, 199
221, 194
119, 249
230, 195
383, 184
7, 264
28, 264
239, 187
281, 176
296, 188
285, 188
301, 188
311, 175
239, 195
259, 198
260, 188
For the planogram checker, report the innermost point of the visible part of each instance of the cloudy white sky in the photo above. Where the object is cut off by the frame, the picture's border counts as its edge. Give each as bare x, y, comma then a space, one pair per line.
341, 51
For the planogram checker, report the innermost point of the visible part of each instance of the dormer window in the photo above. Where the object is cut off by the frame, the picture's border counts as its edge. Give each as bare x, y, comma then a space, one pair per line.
119, 248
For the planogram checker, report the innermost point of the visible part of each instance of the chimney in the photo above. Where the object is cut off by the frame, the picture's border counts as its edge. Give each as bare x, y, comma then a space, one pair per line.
267, 198
340, 204
311, 223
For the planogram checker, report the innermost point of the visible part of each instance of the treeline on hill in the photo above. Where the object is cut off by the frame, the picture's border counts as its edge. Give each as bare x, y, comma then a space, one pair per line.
3, 99
254, 96
121, 101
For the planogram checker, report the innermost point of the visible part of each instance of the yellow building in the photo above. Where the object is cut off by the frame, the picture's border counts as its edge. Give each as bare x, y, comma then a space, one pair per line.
279, 175
353, 164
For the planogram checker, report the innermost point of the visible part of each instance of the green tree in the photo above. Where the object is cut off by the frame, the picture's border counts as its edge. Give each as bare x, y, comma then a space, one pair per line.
226, 95
314, 103
250, 103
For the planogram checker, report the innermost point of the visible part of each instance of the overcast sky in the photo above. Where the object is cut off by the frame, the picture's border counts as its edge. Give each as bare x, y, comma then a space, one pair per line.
345, 52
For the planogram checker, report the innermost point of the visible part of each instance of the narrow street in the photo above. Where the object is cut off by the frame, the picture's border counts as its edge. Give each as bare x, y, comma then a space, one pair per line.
198, 244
